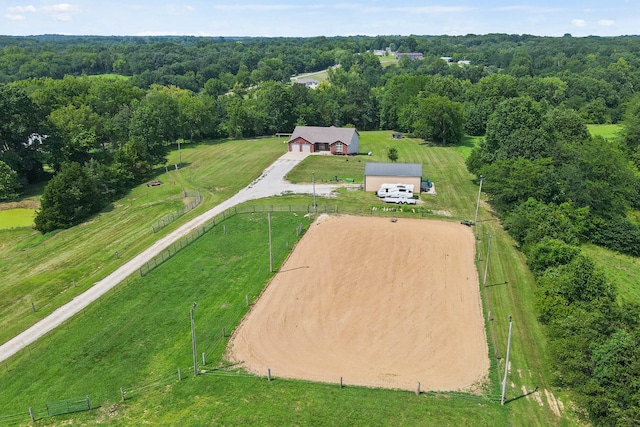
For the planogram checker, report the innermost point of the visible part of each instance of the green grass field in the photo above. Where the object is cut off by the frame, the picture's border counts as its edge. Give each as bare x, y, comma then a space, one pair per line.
138, 335
109, 76
623, 270
605, 131
16, 218
385, 61
42, 269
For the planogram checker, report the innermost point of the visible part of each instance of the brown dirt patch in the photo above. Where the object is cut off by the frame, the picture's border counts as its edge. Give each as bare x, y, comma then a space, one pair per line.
24, 204
379, 303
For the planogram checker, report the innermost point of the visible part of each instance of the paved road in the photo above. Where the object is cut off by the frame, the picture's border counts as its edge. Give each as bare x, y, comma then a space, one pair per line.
270, 183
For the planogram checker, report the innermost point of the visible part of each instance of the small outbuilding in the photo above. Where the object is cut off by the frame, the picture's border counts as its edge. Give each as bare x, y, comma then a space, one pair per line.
376, 174
315, 139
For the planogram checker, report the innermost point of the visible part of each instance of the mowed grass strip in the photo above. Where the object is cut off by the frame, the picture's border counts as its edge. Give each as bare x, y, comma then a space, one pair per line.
42, 269
138, 336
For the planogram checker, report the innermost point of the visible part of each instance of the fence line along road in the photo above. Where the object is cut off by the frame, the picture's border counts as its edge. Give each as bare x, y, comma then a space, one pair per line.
270, 183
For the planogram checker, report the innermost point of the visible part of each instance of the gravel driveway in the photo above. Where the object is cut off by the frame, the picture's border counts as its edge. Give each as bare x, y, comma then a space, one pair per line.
270, 183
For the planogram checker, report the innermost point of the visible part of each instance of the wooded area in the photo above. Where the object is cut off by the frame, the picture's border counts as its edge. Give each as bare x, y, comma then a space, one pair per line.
95, 115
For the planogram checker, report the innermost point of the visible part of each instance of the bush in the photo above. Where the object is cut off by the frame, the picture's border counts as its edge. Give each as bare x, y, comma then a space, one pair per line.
618, 234
69, 198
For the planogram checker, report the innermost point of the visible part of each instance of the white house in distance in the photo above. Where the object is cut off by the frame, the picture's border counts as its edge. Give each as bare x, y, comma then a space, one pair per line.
316, 139
308, 82
376, 174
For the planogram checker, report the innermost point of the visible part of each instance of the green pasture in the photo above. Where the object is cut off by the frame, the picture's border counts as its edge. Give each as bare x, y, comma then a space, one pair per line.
15, 218
385, 61
43, 268
138, 335
109, 76
606, 131
623, 270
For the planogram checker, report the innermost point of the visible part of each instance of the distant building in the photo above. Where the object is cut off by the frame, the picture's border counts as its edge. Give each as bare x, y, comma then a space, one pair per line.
379, 52
308, 82
314, 139
464, 62
447, 59
411, 55
376, 174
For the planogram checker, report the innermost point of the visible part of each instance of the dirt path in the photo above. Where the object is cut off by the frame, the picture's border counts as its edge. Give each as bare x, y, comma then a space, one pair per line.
378, 303
270, 183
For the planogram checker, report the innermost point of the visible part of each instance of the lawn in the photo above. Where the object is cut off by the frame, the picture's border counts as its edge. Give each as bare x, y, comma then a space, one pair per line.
16, 218
49, 270
385, 61
606, 131
109, 76
623, 270
138, 335
109, 347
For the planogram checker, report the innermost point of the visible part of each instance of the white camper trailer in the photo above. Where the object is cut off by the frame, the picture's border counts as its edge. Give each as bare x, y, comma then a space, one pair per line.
395, 190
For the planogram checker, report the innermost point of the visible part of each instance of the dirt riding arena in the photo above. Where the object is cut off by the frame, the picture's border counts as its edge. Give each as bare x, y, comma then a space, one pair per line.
378, 303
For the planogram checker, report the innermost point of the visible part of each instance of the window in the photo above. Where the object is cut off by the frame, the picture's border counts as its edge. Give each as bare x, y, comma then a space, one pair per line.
339, 147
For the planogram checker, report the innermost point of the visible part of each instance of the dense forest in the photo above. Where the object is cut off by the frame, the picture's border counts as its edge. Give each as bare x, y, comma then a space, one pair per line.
94, 116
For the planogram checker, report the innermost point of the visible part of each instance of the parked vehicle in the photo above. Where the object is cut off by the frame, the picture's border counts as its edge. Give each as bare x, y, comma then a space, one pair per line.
387, 190
400, 200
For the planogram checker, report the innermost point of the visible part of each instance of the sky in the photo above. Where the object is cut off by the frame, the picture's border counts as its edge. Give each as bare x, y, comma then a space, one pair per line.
288, 18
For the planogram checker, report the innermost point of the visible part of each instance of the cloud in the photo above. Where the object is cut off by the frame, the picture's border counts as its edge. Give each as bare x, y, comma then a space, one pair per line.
579, 22
21, 9
13, 17
59, 12
606, 22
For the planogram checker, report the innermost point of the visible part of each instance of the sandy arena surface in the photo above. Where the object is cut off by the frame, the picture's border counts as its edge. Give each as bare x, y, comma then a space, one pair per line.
378, 303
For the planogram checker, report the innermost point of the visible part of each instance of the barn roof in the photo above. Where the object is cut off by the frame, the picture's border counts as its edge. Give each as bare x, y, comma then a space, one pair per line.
393, 169
315, 134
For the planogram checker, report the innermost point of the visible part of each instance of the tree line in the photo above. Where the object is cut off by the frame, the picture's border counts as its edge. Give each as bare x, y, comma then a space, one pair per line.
555, 187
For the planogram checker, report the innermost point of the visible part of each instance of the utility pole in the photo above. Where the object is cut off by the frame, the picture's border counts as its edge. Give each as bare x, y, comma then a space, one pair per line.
193, 342
506, 366
179, 154
270, 245
486, 266
478, 204
313, 181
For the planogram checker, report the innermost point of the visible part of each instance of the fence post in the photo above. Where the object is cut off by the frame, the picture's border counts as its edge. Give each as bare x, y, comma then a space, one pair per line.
88, 401
340, 382
33, 306
418, 390
224, 333
246, 298
33, 418
269, 374
122, 393
204, 359
179, 375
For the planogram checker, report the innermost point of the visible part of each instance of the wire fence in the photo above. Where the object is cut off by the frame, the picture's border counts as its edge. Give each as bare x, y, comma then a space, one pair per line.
215, 340
50, 409
186, 240
177, 214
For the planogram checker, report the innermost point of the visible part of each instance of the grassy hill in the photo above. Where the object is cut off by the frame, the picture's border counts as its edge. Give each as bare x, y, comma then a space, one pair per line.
49, 270
138, 335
